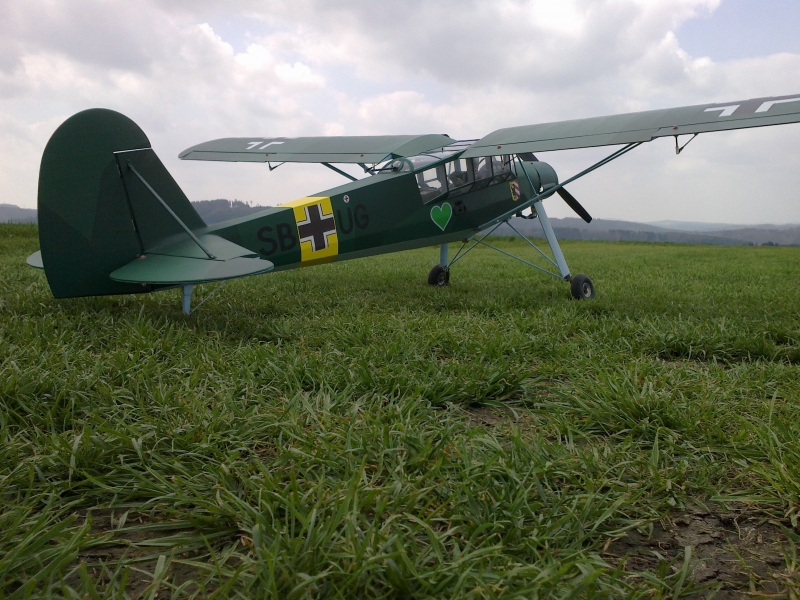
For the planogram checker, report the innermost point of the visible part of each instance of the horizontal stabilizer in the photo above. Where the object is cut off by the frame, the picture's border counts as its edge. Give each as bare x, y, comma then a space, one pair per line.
331, 149
220, 248
639, 127
158, 269
35, 260
183, 262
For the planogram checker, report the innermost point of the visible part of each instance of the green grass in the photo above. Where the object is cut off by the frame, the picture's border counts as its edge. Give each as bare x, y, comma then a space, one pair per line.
312, 433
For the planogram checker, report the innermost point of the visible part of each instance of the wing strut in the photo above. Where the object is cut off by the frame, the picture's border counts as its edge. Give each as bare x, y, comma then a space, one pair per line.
339, 171
679, 149
172, 214
549, 191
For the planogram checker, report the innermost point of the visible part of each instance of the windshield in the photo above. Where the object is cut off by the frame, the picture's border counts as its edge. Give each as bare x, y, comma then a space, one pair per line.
418, 162
415, 163
423, 160
392, 166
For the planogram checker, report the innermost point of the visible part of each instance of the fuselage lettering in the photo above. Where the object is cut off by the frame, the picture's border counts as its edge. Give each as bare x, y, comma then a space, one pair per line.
345, 227
263, 236
361, 216
358, 218
286, 237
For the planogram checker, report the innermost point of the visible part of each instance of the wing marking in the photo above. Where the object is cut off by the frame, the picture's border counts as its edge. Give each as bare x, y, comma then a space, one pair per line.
770, 103
727, 111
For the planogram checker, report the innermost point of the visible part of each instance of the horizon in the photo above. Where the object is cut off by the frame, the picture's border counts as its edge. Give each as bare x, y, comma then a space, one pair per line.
567, 216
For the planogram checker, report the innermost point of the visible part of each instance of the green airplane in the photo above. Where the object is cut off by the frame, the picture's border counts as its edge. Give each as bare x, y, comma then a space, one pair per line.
113, 221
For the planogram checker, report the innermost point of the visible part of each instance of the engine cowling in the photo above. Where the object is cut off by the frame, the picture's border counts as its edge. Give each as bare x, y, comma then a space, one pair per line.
541, 175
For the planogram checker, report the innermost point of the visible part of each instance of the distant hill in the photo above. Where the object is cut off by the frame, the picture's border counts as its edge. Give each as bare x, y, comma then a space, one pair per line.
211, 211
699, 227
614, 231
216, 211
10, 213
571, 228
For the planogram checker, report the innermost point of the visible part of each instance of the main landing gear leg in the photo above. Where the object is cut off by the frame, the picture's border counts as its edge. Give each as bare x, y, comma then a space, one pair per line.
544, 221
581, 286
440, 274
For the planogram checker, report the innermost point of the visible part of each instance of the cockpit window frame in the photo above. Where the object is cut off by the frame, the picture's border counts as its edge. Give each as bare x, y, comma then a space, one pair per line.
468, 177
431, 193
439, 160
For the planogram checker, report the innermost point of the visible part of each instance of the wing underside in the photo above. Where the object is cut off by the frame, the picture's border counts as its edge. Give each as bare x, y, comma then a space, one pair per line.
332, 149
562, 135
639, 127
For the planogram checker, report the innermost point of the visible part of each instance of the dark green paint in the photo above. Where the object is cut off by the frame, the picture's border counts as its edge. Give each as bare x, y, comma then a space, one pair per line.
85, 226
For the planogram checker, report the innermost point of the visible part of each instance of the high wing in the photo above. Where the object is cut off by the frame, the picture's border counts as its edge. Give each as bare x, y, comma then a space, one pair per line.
639, 127
333, 149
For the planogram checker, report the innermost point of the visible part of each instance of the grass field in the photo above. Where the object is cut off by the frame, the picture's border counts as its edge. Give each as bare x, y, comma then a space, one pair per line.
348, 431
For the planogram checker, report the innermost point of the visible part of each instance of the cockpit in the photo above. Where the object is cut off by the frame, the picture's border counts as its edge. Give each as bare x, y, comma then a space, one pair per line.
455, 176
464, 175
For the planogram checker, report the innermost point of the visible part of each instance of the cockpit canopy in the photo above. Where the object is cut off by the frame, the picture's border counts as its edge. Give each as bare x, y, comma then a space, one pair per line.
463, 175
448, 174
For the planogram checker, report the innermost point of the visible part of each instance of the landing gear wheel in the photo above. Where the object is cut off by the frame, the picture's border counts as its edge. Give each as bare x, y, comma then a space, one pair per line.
439, 276
581, 287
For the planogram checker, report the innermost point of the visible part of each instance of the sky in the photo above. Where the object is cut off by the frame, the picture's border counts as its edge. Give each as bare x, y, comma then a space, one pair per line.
188, 71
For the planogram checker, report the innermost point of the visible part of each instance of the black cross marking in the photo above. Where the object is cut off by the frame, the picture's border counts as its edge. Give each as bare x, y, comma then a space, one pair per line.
316, 227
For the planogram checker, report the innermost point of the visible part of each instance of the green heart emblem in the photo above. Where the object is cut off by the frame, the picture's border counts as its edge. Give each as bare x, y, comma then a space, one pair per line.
441, 215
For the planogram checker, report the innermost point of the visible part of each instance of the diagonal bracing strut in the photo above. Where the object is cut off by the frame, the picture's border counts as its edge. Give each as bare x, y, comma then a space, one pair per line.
482, 241
172, 213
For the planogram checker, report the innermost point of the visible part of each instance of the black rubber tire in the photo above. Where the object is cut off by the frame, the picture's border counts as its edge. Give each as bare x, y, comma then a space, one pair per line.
439, 276
581, 287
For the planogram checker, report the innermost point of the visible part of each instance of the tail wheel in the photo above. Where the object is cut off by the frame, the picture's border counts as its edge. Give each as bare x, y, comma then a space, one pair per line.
581, 287
439, 276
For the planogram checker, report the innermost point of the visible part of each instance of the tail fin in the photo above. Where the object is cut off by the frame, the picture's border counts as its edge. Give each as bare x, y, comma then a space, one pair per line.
106, 202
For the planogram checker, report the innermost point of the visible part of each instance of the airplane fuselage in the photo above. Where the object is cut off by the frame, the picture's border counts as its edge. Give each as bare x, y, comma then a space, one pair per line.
382, 213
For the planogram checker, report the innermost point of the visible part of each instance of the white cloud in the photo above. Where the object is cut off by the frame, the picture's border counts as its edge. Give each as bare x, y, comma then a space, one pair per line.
300, 74
192, 71
334, 129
